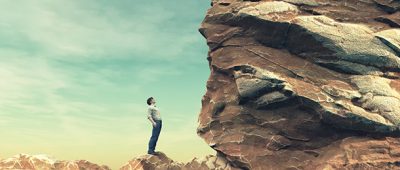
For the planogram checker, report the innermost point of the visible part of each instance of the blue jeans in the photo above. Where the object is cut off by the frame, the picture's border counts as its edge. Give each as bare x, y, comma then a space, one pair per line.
154, 136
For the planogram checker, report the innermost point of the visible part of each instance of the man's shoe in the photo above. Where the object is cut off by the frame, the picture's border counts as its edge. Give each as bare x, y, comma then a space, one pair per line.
151, 152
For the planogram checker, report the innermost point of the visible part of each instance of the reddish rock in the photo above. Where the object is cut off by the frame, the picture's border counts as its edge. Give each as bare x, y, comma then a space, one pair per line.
152, 162
160, 161
209, 162
392, 20
298, 84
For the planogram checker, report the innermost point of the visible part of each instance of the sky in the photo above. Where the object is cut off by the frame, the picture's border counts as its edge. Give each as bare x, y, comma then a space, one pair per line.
75, 76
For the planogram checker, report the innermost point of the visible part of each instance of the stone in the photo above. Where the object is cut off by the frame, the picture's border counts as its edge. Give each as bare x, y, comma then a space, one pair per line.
269, 10
157, 161
388, 107
391, 38
271, 98
304, 2
353, 43
375, 84
392, 20
252, 82
389, 6
161, 161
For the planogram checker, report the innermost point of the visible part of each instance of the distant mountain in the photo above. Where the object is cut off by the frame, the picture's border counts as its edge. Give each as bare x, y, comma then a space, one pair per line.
45, 162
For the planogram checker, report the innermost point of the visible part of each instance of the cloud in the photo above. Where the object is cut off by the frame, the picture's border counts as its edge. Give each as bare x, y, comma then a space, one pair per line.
75, 30
31, 97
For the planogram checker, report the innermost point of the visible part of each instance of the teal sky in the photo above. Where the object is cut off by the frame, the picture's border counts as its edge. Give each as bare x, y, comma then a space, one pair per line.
75, 76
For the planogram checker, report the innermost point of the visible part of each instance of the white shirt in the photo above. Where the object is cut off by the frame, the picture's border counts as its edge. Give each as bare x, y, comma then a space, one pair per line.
153, 112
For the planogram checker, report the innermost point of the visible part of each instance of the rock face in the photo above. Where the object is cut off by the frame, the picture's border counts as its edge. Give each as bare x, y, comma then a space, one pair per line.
160, 161
299, 84
43, 162
152, 162
209, 162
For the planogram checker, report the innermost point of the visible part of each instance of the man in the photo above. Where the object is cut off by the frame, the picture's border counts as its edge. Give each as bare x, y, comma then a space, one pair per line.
155, 119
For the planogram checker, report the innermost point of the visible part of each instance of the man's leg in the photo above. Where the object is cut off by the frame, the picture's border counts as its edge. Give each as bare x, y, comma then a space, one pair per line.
158, 130
152, 142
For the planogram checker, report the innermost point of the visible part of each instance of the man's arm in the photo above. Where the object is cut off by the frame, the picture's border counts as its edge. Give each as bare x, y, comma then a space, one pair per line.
150, 118
152, 121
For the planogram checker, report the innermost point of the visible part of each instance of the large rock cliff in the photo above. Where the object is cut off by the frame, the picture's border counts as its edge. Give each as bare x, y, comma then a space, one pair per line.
303, 84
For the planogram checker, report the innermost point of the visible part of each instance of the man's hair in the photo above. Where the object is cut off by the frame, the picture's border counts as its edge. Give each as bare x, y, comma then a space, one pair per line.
149, 100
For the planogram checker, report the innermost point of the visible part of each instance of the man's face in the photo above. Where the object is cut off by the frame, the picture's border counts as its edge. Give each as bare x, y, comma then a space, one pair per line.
153, 101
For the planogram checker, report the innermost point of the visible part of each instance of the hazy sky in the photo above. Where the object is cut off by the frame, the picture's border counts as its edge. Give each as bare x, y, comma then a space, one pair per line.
75, 76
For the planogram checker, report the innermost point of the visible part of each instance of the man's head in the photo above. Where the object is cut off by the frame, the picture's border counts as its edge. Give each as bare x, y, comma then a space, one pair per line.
150, 101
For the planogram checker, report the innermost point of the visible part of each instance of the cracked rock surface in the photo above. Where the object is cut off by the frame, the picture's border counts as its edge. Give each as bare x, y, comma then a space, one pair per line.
160, 161
298, 84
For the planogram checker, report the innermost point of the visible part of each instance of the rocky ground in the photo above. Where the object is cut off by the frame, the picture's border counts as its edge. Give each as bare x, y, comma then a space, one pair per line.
160, 161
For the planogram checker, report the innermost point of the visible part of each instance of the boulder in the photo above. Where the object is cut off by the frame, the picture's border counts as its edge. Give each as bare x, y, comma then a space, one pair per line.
303, 84
160, 161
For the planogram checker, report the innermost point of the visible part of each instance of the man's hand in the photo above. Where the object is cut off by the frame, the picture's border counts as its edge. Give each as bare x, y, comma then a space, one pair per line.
152, 121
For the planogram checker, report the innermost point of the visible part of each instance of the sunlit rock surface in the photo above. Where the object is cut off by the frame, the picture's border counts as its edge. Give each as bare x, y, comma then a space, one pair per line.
160, 161
299, 84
